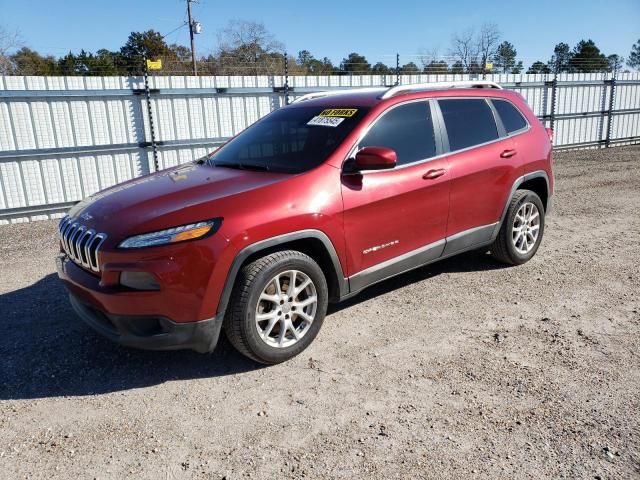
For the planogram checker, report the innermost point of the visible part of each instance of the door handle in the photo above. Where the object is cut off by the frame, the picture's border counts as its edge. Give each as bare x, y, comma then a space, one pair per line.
434, 173
508, 153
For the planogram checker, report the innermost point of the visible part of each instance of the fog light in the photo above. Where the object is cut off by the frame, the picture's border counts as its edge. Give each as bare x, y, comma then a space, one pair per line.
139, 281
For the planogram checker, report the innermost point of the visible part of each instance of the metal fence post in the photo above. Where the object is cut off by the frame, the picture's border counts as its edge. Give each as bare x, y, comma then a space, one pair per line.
554, 96
286, 79
147, 96
612, 97
397, 69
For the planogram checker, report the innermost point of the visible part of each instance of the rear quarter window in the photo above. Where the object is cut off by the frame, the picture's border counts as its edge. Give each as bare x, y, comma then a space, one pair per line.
511, 117
468, 121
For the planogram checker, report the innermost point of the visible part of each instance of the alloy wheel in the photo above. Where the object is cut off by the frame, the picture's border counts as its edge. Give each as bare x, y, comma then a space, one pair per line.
286, 308
526, 227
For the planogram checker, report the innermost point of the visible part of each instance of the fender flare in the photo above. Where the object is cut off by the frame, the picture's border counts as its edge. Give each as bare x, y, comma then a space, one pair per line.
519, 181
246, 252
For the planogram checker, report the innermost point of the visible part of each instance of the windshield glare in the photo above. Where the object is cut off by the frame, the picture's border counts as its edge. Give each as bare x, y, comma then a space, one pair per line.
285, 141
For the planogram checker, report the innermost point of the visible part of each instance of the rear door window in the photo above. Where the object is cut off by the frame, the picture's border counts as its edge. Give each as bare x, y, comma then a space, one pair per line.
406, 129
511, 118
468, 121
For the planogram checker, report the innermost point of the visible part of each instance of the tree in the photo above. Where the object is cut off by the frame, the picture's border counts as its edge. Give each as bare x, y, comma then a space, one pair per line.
588, 58
8, 42
634, 57
305, 59
29, 62
475, 67
242, 34
539, 67
149, 44
313, 66
464, 48
139, 44
487, 42
355, 64
473, 49
67, 65
382, 69
615, 62
435, 67
431, 61
248, 48
109, 63
102, 63
561, 58
410, 68
505, 58
457, 68
182, 53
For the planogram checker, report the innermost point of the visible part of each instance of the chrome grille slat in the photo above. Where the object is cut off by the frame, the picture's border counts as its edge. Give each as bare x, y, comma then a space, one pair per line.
65, 233
80, 243
74, 243
83, 242
69, 234
93, 259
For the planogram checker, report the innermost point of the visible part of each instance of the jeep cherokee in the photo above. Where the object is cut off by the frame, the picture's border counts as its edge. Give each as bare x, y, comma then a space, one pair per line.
311, 204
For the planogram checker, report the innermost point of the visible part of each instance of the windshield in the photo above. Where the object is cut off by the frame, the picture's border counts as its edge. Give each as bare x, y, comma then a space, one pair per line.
289, 140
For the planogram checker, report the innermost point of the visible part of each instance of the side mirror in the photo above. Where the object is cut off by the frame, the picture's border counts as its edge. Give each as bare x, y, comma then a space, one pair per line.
375, 158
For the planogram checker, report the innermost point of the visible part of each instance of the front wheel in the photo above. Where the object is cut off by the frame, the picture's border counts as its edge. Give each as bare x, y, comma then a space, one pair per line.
522, 229
277, 307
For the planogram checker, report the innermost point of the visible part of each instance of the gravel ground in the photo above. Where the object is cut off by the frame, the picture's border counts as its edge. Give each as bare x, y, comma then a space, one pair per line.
459, 369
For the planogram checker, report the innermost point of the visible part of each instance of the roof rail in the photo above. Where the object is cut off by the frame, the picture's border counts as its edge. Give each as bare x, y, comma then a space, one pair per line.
328, 93
417, 87
388, 92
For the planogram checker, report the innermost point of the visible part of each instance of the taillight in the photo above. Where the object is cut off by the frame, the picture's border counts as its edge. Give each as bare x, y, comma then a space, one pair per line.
550, 133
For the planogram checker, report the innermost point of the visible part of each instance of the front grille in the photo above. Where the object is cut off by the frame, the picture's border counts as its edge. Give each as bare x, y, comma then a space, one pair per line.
81, 243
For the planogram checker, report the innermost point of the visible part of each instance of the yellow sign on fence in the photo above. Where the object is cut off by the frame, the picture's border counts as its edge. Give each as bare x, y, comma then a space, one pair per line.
154, 64
488, 66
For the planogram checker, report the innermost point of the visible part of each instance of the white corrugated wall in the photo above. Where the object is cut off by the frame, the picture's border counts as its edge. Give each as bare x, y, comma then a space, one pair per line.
63, 138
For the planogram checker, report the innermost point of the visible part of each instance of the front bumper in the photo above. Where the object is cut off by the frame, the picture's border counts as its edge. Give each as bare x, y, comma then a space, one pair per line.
150, 333
146, 331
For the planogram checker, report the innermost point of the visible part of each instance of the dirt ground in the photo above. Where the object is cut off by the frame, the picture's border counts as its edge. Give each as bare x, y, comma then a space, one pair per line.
462, 369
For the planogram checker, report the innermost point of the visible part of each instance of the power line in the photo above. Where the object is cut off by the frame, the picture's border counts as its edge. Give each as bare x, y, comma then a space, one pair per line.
174, 30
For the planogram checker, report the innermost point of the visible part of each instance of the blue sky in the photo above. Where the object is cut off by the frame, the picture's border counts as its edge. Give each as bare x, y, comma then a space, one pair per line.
330, 28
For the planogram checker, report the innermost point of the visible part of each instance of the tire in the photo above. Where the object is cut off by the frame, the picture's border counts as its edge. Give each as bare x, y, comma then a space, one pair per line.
506, 248
255, 295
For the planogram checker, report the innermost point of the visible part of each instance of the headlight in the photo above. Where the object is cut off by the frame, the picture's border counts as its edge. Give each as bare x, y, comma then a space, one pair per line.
173, 235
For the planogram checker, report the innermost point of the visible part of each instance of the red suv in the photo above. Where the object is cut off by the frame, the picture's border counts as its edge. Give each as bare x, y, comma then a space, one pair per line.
311, 204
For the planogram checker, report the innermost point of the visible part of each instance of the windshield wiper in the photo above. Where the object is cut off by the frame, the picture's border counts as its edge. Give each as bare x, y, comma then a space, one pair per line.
243, 166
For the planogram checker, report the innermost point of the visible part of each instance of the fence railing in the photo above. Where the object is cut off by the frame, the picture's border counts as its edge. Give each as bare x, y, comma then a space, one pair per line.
64, 138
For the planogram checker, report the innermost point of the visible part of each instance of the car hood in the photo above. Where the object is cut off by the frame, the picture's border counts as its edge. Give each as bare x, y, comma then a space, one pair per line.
172, 197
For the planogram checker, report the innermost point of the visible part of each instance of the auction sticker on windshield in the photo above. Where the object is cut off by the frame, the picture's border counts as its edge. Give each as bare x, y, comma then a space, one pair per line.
321, 121
339, 112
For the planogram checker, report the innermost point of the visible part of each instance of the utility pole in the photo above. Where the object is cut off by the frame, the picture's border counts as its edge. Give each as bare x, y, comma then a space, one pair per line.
193, 42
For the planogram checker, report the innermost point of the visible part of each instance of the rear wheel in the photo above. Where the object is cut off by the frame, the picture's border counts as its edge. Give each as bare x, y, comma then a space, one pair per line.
277, 307
522, 229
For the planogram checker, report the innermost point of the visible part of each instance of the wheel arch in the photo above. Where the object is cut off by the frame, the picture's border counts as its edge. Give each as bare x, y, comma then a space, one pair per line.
314, 243
537, 181
539, 185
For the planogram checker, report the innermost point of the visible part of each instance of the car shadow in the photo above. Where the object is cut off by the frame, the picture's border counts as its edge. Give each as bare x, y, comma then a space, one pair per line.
472, 261
47, 351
